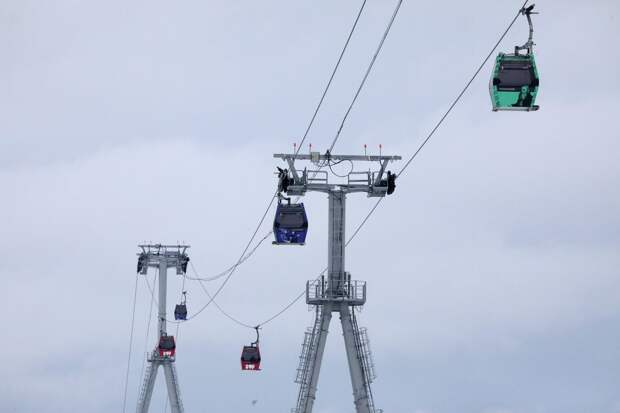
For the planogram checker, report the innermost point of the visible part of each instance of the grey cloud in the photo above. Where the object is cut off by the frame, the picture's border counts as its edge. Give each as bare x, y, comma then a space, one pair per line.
493, 270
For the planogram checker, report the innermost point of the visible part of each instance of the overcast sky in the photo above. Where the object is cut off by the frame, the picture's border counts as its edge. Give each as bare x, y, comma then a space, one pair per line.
493, 272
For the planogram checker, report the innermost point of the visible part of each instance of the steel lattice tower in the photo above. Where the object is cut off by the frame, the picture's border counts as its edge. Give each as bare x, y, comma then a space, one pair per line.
161, 257
337, 293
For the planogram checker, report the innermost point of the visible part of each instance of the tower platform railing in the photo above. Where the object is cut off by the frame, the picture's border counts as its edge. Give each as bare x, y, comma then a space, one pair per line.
347, 291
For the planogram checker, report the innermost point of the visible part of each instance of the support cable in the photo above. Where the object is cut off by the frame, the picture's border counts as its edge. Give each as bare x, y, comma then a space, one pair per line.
267, 320
460, 95
409, 161
360, 87
198, 277
152, 290
445, 115
221, 287
331, 78
183, 297
148, 324
368, 70
176, 338
230, 274
243, 257
231, 271
133, 319
334, 141
221, 310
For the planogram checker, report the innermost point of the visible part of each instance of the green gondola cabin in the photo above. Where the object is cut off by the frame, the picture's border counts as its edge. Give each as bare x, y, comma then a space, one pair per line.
514, 82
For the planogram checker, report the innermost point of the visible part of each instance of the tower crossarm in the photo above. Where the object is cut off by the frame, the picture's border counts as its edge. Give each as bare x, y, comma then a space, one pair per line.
295, 181
317, 157
155, 255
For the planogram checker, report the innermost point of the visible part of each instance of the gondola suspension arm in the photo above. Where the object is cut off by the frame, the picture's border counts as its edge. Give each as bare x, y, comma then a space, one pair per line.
529, 45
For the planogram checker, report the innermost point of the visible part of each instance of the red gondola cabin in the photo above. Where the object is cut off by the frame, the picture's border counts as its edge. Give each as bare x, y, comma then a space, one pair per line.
167, 347
250, 357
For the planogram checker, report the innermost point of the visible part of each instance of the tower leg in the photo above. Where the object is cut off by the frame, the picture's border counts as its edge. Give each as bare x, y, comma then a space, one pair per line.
307, 401
361, 396
172, 383
337, 295
147, 387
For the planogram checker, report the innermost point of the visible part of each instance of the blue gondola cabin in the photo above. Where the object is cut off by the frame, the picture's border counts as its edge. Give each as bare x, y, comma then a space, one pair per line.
290, 225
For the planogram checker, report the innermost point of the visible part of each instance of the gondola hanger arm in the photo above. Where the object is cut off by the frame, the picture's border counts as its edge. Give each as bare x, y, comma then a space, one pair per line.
529, 45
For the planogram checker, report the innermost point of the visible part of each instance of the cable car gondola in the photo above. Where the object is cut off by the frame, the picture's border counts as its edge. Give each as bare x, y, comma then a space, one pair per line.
250, 355
290, 225
515, 81
180, 310
167, 346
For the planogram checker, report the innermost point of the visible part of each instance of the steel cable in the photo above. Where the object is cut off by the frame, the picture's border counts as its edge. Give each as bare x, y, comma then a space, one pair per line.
445, 115
176, 339
221, 287
198, 277
331, 78
368, 70
360, 87
334, 141
148, 324
266, 321
460, 95
133, 319
231, 271
415, 154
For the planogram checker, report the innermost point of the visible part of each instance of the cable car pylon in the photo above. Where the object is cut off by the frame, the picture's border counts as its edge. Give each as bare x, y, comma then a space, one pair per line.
338, 292
162, 257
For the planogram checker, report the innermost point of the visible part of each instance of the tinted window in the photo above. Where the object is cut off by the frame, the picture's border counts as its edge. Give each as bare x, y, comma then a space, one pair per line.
291, 219
166, 343
250, 354
514, 78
